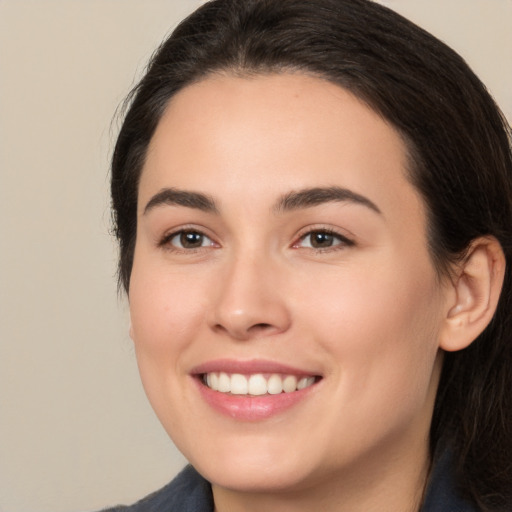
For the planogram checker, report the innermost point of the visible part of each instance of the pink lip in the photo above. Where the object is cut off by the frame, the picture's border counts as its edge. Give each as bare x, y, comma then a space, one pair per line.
249, 367
249, 408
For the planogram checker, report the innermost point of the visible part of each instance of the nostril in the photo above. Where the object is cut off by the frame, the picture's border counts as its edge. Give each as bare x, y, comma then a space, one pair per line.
244, 333
261, 326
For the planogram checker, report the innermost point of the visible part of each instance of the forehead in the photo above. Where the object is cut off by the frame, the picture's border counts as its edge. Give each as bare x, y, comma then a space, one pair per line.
264, 132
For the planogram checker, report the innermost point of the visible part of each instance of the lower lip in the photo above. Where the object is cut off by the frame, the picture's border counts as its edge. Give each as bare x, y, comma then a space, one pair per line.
251, 408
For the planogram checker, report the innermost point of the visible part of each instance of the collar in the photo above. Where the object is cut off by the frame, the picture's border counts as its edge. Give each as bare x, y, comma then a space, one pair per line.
442, 495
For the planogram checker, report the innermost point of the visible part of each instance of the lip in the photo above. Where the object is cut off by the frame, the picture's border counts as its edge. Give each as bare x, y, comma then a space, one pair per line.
250, 367
251, 408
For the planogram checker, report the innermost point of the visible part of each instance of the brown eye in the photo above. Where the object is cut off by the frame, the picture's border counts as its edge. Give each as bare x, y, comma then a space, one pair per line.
189, 240
323, 239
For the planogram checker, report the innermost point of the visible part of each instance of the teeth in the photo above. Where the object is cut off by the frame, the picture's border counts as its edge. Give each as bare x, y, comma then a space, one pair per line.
239, 384
289, 384
213, 381
256, 384
275, 385
224, 385
304, 382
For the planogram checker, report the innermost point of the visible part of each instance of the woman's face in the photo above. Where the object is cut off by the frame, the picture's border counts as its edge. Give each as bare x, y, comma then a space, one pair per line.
280, 245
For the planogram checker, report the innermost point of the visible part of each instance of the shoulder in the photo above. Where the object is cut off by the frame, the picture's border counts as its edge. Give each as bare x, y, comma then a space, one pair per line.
442, 495
188, 492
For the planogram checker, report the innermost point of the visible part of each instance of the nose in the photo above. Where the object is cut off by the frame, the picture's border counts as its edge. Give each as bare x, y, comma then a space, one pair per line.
251, 299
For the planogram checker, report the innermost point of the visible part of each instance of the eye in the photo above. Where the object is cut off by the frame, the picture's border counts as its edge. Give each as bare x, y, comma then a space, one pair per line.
323, 239
188, 239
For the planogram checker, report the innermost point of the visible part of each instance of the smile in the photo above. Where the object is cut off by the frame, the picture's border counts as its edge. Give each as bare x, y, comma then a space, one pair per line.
254, 390
256, 384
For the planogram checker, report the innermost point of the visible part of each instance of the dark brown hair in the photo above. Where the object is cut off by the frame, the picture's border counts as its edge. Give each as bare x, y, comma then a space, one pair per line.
460, 161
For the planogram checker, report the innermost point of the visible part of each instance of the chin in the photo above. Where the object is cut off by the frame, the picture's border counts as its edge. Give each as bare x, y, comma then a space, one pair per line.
253, 470
254, 479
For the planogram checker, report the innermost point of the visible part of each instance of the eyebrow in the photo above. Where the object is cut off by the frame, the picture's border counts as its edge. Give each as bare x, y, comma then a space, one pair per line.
172, 196
310, 197
295, 200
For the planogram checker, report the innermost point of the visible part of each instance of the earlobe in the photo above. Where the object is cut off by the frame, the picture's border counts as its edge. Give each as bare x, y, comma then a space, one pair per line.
476, 286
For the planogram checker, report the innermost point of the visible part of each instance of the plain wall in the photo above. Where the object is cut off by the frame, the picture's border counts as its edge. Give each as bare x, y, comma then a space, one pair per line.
76, 432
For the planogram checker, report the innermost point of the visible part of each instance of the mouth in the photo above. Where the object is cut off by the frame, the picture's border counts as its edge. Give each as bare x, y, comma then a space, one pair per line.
253, 390
256, 384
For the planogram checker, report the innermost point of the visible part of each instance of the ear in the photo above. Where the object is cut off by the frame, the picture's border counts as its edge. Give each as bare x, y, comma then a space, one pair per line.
474, 293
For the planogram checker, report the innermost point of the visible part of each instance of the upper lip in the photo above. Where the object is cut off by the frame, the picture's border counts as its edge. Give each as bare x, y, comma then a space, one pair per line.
249, 367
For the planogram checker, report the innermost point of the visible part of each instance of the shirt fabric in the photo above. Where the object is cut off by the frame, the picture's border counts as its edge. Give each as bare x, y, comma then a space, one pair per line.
190, 492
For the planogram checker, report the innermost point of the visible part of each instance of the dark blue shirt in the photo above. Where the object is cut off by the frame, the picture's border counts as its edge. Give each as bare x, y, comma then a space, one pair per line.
441, 495
190, 492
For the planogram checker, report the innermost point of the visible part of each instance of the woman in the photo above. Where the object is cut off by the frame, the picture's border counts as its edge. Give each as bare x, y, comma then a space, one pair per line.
313, 201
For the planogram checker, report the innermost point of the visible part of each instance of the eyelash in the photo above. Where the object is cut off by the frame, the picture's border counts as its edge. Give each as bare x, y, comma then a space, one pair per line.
166, 241
342, 241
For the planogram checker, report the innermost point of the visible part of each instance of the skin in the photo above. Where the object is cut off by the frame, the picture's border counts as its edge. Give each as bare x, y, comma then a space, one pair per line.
365, 314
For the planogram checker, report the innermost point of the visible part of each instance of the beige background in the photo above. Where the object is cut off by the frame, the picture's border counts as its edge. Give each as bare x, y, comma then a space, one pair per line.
76, 433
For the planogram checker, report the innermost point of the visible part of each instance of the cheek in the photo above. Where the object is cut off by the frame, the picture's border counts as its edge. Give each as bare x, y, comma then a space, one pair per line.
388, 297
167, 310
166, 313
381, 327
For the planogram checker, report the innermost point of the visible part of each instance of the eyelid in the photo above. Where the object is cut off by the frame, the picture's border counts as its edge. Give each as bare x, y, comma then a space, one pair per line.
164, 241
346, 239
